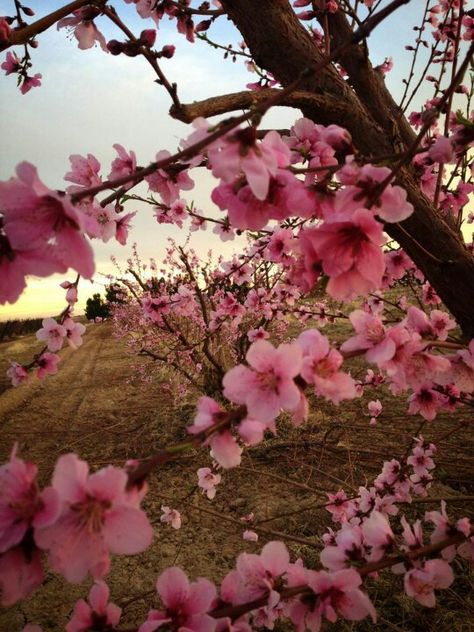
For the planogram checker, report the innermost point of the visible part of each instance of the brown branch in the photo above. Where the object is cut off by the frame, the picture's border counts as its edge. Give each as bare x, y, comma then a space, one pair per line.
249, 98
23, 35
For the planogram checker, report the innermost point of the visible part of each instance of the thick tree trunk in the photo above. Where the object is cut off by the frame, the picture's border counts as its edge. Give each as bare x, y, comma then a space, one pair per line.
280, 44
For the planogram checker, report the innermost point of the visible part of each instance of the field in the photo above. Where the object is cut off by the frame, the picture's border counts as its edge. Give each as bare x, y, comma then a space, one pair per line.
93, 407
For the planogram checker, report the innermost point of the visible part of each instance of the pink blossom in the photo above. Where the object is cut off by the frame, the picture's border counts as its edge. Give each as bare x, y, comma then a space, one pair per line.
441, 150
84, 28
20, 574
98, 516
251, 536
420, 583
11, 63
71, 294
239, 152
168, 182
425, 401
185, 604
124, 165
346, 548
224, 446
207, 481
321, 368
98, 612
123, 226
268, 385
17, 373
351, 254
335, 594
257, 334
375, 408
84, 171
47, 365
339, 506
378, 536
171, 516
371, 338
258, 574
74, 332
21, 504
30, 82
35, 215
52, 333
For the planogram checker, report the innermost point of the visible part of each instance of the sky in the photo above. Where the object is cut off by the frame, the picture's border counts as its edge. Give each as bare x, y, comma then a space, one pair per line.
90, 100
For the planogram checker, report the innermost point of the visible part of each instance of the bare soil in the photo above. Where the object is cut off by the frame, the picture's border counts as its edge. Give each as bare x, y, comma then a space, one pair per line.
94, 408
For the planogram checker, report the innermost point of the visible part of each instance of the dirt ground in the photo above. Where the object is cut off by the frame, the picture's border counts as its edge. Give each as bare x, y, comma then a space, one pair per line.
92, 407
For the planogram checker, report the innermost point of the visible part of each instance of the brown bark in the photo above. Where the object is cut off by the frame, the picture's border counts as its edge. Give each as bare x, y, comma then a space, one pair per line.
281, 45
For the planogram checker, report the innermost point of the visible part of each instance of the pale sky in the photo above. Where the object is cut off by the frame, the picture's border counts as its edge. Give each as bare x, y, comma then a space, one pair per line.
90, 100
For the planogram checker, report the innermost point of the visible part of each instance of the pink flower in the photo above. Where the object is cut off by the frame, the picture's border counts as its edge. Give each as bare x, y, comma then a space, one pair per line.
224, 447
170, 181
371, 338
320, 367
21, 504
425, 401
124, 165
85, 31
98, 516
268, 385
35, 216
20, 574
378, 536
30, 82
420, 583
47, 365
11, 63
123, 226
207, 481
259, 574
171, 516
335, 594
375, 408
84, 171
185, 604
351, 254
52, 333
17, 373
251, 536
74, 332
442, 150
239, 152
98, 612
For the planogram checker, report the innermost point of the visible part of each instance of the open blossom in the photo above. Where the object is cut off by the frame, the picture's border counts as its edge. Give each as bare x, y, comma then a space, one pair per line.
239, 152
84, 171
47, 365
30, 82
171, 516
52, 333
371, 337
335, 594
268, 385
123, 165
11, 63
17, 373
349, 247
98, 612
185, 604
207, 481
36, 218
420, 583
98, 516
84, 28
224, 447
74, 332
321, 366
122, 227
168, 182
22, 508
375, 408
